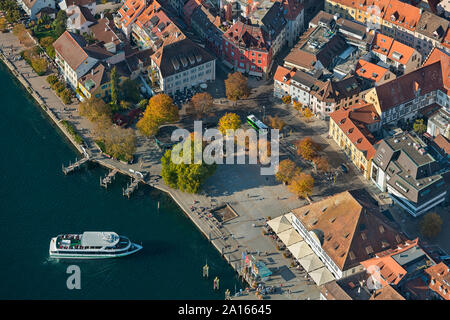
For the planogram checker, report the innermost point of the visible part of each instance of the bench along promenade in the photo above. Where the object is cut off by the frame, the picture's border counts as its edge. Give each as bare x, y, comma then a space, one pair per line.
252, 196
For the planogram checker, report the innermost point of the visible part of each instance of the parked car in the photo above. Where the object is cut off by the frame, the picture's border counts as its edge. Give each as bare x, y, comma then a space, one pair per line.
344, 168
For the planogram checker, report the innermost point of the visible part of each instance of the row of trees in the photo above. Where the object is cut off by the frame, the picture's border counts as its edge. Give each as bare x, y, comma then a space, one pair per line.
304, 111
60, 87
299, 183
308, 150
47, 44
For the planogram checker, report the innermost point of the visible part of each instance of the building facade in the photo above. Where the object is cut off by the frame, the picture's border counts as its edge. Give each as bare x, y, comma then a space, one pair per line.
182, 65
351, 129
32, 7
404, 168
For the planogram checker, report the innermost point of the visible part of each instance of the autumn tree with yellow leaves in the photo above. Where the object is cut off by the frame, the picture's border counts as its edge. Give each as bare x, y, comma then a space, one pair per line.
236, 86
286, 171
160, 110
229, 121
302, 185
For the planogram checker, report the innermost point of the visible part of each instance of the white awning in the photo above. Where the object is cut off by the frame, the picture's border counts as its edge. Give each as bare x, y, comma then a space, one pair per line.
321, 276
300, 250
289, 216
279, 224
311, 262
289, 237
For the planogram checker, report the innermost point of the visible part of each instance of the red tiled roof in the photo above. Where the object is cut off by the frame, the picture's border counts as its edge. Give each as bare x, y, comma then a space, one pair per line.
284, 72
352, 121
442, 143
387, 46
403, 89
394, 11
370, 71
244, 35
405, 51
346, 225
384, 268
439, 55
386, 293
402, 14
134, 8
169, 34
69, 46
440, 273
382, 44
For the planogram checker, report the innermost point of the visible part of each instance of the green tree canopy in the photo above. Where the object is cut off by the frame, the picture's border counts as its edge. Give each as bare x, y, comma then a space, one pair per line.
114, 83
419, 127
129, 90
182, 176
431, 224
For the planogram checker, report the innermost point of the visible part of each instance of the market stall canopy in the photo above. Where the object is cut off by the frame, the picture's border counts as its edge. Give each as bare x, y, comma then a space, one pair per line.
321, 276
311, 262
279, 224
289, 237
300, 250
289, 216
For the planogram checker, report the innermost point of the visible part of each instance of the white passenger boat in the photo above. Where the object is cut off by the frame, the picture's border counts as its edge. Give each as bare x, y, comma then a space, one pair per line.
91, 245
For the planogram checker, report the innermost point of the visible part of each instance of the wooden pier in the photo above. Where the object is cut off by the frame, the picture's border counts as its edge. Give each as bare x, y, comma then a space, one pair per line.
131, 187
74, 166
108, 179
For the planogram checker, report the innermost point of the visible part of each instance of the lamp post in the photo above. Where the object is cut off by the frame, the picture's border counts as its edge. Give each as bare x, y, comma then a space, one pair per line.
264, 114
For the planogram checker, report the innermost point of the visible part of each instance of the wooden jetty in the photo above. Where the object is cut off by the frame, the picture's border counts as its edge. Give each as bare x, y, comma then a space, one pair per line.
108, 178
74, 166
130, 187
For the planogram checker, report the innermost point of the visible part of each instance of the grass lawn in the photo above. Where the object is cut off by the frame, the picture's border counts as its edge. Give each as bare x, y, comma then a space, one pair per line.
42, 33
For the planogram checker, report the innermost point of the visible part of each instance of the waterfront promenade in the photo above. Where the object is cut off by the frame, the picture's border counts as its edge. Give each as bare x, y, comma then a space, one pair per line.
252, 196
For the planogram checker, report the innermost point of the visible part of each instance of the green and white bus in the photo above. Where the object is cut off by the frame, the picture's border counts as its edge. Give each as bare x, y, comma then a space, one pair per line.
257, 124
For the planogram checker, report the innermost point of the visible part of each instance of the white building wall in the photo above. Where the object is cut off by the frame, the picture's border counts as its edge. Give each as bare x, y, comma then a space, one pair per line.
189, 78
38, 5
316, 247
380, 181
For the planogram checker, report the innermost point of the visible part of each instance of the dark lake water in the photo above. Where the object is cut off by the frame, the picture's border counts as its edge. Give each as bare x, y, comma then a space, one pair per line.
38, 202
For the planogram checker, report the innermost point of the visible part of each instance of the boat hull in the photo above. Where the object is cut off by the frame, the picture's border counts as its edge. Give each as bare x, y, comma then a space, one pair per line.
83, 256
